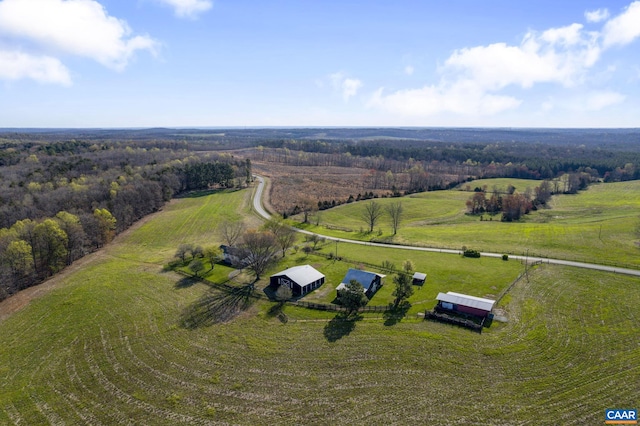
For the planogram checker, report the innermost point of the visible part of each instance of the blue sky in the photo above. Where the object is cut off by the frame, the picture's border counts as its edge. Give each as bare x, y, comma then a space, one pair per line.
144, 63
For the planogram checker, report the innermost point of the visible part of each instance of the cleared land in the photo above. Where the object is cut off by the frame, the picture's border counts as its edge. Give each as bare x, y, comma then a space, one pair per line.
108, 345
596, 225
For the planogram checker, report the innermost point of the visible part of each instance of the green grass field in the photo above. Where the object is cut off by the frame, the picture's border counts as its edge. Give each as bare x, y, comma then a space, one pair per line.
598, 225
108, 345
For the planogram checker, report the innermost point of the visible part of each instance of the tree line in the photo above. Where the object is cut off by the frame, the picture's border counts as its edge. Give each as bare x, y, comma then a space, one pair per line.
33, 250
513, 205
62, 199
534, 160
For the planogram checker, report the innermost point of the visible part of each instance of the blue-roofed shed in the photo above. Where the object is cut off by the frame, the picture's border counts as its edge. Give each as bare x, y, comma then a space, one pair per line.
370, 281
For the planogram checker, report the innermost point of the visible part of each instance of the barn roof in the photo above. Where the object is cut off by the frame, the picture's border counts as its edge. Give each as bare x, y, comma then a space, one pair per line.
302, 275
466, 300
419, 276
363, 277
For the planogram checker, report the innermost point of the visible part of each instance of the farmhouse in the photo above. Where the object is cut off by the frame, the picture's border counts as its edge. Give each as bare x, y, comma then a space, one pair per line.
456, 302
300, 279
231, 255
369, 280
419, 278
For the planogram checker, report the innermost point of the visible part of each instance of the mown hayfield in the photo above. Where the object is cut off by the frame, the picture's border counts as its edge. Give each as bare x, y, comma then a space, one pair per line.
108, 346
192, 219
598, 225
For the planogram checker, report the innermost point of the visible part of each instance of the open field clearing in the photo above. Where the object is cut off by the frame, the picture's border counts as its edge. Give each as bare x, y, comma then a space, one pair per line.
596, 225
109, 345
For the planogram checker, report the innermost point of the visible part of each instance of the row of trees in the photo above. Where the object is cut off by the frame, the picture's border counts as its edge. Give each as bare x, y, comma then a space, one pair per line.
513, 205
373, 211
33, 250
533, 157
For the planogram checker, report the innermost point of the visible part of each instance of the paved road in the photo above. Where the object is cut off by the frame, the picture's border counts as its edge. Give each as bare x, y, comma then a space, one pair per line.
257, 205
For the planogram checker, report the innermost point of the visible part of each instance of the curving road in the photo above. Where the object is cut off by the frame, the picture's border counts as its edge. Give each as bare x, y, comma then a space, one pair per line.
259, 208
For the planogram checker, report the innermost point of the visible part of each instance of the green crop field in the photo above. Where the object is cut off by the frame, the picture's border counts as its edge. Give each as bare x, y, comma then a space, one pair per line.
109, 344
599, 225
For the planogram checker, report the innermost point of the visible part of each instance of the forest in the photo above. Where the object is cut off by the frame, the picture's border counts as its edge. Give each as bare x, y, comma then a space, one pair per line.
67, 192
60, 200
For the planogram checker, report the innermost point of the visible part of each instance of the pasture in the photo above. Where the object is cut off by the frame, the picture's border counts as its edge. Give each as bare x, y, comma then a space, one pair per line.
599, 225
108, 345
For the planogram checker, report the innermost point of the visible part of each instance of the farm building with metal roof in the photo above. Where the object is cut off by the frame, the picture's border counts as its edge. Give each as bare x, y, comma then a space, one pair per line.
464, 303
300, 279
370, 281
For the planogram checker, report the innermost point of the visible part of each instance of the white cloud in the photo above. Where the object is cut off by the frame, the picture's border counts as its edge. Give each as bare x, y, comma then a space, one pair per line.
547, 105
44, 69
188, 8
600, 100
471, 77
624, 28
557, 55
598, 15
408, 70
348, 87
461, 98
76, 27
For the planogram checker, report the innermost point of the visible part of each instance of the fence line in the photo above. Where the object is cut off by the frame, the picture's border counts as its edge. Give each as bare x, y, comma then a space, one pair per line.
447, 319
336, 308
371, 265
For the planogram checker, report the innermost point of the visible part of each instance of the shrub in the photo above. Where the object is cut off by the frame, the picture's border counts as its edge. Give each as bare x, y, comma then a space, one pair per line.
505, 257
471, 253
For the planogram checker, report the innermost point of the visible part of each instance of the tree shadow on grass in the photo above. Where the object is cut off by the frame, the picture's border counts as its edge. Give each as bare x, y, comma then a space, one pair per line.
341, 325
277, 310
186, 282
395, 315
218, 306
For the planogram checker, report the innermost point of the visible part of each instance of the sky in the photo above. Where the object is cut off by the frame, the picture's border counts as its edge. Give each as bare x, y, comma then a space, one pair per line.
230, 63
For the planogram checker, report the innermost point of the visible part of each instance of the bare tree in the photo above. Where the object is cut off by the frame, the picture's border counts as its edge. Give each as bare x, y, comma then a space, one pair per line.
285, 236
395, 211
371, 213
408, 267
308, 206
183, 251
231, 232
283, 293
314, 239
259, 249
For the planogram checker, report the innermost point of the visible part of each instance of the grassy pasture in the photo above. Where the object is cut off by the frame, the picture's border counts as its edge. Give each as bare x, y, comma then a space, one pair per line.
596, 225
106, 346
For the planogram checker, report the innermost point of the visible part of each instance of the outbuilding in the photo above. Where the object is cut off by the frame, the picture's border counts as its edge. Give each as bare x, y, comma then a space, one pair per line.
463, 303
370, 281
300, 279
419, 278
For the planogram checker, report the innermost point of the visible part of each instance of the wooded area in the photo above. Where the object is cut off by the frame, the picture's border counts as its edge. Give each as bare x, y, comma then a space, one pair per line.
60, 200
